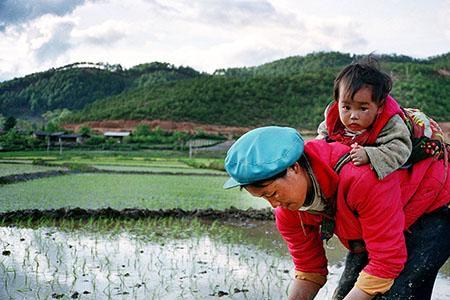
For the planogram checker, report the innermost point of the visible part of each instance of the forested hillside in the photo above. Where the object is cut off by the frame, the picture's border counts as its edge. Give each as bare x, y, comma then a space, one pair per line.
291, 91
76, 85
284, 100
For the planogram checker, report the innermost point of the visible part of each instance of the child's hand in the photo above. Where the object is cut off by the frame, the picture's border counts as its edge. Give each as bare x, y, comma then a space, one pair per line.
358, 155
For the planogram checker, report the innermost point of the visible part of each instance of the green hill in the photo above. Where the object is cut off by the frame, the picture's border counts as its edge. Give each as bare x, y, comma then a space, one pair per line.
77, 85
237, 101
291, 91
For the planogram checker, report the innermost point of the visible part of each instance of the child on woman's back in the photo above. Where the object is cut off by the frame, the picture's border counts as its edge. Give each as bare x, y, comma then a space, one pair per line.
367, 118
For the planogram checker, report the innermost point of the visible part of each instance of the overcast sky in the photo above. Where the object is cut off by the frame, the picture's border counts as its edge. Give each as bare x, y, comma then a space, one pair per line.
36, 35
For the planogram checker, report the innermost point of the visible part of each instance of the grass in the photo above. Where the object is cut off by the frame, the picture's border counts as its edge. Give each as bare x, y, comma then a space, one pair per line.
119, 191
67, 154
110, 158
93, 153
121, 161
156, 169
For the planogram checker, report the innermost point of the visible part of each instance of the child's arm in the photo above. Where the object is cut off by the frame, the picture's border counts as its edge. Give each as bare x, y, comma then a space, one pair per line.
322, 131
393, 150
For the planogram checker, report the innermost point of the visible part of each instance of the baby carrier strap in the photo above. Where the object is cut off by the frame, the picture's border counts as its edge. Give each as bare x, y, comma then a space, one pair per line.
328, 220
426, 135
427, 139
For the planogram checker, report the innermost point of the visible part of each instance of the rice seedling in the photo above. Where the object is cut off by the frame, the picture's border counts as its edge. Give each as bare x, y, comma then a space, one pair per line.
54, 246
117, 259
120, 191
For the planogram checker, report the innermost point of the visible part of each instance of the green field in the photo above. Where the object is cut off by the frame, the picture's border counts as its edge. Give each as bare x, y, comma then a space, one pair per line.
148, 155
140, 161
157, 169
159, 258
116, 190
7, 169
121, 191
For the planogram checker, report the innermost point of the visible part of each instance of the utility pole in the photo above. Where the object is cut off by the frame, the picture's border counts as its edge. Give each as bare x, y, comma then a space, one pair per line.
48, 143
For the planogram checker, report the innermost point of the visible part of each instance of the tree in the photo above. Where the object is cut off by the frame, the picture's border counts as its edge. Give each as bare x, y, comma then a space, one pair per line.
142, 130
52, 127
10, 123
56, 115
85, 130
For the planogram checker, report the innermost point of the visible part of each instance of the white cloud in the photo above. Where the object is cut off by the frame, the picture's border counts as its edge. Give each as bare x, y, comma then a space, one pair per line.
337, 34
57, 42
234, 12
104, 34
444, 19
212, 34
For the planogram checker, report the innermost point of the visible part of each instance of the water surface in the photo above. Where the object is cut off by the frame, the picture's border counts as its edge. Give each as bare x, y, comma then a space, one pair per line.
154, 259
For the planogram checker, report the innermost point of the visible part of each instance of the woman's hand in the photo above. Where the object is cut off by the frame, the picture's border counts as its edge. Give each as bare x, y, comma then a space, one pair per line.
303, 290
357, 294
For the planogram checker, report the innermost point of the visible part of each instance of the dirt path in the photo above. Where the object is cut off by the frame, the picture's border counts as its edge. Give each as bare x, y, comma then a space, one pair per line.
230, 214
130, 125
166, 125
9, 179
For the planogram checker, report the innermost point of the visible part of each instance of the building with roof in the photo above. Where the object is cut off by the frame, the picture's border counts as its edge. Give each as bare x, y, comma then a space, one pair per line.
116, 135
60, 137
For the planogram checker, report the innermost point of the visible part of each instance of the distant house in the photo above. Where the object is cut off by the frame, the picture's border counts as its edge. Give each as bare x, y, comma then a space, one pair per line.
57, 137
117, 135
44, 136
73, 138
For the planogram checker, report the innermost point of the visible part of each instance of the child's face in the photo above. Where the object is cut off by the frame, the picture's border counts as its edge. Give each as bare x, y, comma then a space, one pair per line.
358, 113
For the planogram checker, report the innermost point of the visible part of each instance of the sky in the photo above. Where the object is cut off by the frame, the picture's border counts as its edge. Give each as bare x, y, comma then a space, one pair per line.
36, 35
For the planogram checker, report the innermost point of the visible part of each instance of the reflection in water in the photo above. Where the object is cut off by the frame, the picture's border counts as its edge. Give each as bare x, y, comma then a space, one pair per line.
153, 259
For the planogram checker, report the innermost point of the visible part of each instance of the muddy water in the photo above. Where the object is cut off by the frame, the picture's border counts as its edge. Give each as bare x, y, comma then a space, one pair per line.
154, 259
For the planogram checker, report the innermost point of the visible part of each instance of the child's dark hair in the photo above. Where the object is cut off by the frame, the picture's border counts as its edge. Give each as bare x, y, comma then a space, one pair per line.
365, 72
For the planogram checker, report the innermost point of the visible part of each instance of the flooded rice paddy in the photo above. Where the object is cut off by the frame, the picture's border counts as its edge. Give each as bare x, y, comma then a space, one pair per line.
119, 191
163, 258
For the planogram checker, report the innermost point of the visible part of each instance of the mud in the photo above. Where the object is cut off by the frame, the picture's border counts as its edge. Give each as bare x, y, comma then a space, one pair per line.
31, 176
232, 214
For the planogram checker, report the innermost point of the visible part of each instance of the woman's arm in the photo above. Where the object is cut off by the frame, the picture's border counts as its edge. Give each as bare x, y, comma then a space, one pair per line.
379, 209
306, 248
303, 290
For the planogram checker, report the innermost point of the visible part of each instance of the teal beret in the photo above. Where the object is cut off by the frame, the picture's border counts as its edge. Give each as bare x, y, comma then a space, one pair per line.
262, 153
